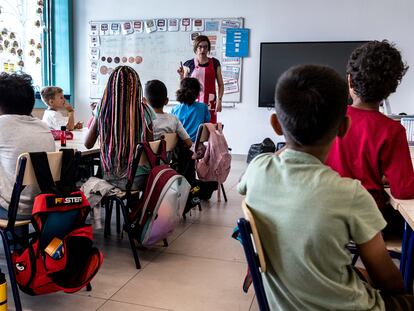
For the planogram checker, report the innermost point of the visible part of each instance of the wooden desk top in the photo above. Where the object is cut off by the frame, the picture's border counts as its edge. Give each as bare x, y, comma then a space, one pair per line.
405, 207
78, 143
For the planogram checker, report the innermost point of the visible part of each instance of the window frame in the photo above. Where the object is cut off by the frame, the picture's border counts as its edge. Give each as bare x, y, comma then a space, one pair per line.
57, 57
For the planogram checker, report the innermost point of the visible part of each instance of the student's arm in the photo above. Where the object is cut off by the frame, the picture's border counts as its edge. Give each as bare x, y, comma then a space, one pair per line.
397, 166
220, 85
188, 143
71, 121
242, 185
365, 225
207, 115
150, 116
92, 135
382, 271
182, 133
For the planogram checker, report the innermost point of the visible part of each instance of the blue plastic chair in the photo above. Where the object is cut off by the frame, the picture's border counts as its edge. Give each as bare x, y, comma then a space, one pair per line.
254, 255
407, 258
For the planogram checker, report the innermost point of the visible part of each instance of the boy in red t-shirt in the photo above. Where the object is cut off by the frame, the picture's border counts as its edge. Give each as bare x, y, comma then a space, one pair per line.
375, 146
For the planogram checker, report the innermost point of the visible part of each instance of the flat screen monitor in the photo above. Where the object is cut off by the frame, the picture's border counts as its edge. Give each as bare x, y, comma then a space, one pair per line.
277, 57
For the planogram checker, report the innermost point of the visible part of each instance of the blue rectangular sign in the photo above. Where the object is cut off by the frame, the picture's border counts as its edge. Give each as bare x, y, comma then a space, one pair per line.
237, 42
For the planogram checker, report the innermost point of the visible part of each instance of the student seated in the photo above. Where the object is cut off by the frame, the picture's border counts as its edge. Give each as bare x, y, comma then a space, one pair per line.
189, 112
156, 96
122, 121
19, 133
375, 146
306, 213
53, 98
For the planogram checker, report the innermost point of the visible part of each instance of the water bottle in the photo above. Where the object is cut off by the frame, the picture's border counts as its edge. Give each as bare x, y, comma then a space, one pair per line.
63, 136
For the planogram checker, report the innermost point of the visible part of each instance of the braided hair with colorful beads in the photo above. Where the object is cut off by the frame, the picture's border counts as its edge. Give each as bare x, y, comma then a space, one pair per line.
124, 121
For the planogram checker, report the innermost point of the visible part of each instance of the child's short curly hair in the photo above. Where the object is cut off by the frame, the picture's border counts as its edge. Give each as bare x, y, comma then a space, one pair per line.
375, 69
49, 92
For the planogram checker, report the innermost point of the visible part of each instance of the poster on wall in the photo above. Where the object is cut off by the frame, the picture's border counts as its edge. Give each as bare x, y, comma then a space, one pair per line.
198, 24
173, 24
127, 28
161, 24
93, 29
150, 26
237, 42
138, 26
185, 24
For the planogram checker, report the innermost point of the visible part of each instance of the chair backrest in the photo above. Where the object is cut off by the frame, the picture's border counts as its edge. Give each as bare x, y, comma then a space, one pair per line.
25, 176
203, 134
256, 238
29, 177
254, 255
171, 140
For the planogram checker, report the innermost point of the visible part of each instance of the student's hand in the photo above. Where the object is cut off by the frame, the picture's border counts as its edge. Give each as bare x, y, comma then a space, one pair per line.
79, 125
218, 105
68, 107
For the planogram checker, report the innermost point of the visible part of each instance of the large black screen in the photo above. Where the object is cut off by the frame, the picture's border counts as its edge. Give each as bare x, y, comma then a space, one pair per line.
276, 57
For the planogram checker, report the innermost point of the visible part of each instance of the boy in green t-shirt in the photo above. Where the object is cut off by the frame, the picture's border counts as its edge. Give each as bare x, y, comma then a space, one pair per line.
306, 213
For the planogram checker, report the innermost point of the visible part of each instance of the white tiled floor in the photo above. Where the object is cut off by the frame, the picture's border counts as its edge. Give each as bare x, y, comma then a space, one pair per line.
202, 269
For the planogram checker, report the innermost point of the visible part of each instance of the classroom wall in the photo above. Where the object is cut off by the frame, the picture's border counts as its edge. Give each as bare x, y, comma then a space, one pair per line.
269, 20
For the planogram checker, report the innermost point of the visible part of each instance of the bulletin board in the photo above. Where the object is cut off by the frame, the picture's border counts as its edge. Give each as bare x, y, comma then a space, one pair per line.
155, 48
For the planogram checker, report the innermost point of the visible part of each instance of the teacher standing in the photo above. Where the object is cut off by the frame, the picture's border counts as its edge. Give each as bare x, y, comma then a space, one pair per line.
207, 71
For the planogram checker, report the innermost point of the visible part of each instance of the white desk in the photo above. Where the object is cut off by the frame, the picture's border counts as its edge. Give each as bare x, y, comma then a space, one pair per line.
78, 143
412, 154
406, 209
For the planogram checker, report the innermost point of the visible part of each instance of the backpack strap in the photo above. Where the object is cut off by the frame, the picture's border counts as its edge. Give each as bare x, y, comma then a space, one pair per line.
42, 172
44, 176
154, 159
68, 171
134, 166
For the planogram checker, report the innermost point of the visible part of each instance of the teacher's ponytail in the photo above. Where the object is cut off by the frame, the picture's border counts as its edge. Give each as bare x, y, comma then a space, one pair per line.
189, 90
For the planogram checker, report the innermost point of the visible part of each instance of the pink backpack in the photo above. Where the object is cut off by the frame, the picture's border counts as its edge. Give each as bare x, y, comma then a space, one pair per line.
216, 162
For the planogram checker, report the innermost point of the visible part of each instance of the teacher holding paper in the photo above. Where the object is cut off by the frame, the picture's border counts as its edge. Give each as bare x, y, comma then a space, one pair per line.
207, 70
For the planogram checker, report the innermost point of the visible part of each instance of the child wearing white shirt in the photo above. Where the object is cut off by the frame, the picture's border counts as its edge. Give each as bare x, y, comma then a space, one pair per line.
53, 97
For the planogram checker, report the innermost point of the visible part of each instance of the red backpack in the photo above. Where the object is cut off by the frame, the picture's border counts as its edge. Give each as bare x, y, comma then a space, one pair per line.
59, 256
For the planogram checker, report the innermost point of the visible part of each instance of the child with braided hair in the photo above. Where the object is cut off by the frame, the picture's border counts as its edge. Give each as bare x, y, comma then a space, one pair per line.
122, 121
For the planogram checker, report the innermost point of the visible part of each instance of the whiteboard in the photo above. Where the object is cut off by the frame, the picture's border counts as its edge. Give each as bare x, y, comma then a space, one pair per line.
155, 52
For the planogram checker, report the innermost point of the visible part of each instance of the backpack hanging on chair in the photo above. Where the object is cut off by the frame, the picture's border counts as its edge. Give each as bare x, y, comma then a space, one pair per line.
216, 161
184, 164
60, 255
158, 211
